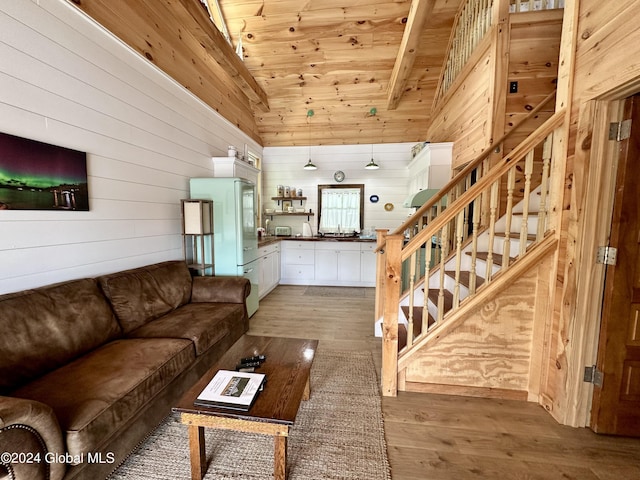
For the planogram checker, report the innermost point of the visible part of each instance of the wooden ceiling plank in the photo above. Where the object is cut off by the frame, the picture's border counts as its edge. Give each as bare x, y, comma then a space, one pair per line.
217, 46
418, 13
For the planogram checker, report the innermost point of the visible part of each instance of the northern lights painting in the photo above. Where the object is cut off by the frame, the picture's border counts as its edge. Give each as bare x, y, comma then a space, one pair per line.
39, 176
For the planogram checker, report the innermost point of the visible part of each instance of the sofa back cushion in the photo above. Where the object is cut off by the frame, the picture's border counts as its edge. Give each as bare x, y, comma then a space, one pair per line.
143, 294
45, 328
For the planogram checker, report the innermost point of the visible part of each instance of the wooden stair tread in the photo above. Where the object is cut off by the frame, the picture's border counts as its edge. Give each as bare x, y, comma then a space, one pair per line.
465, 277
497, 258
434, 293
417, 324
516, 236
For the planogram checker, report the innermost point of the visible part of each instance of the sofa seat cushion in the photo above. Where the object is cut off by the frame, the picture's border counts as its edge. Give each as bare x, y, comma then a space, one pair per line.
205, 324
100, 392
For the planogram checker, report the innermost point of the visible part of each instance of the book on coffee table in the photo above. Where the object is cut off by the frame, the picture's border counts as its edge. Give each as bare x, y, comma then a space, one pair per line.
231, 389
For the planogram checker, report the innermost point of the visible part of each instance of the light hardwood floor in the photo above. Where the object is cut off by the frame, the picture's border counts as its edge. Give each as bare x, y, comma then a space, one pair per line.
446, 437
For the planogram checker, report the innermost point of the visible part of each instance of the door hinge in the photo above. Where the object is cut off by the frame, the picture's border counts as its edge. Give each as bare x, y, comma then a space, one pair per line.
593, 375
619, 131
607, 255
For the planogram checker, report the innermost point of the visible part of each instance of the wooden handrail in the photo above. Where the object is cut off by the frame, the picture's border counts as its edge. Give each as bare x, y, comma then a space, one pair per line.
498, 170
466, 170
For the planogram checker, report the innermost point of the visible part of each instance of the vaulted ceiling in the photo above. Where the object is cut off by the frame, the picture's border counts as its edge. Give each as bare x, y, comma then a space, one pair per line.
315, 71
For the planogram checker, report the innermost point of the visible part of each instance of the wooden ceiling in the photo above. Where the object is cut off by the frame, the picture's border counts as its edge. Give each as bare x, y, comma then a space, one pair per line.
334, 57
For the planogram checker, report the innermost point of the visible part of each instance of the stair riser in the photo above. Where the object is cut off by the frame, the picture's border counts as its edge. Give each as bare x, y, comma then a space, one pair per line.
498, 244
465, 264
516, 224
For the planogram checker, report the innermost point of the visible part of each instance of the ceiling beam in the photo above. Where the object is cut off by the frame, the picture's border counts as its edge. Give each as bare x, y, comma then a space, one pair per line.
418, 13
219, 49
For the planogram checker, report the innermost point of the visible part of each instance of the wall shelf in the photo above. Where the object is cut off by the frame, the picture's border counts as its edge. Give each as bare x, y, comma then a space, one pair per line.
292, 214
278, 199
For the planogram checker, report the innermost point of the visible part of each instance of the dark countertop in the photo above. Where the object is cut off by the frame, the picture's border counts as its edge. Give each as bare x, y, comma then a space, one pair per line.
272, 239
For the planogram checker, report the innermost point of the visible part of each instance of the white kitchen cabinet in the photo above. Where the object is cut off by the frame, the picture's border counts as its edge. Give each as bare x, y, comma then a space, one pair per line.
330, 263
298, 262
234, 167
269, 256
368, 259
337, 263
431, 167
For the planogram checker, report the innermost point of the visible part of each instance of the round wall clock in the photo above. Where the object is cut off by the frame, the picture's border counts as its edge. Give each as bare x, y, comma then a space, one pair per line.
388, 207
338, 176
374, 198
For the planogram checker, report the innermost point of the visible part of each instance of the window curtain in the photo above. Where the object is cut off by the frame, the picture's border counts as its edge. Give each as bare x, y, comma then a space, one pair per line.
340, 210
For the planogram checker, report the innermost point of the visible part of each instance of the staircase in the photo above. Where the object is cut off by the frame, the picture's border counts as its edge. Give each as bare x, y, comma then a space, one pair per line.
411, 316
474, 238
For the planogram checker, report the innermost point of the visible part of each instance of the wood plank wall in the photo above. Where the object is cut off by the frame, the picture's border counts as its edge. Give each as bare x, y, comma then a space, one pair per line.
490, 349
463, 116
534, 47
65, 81
607, 66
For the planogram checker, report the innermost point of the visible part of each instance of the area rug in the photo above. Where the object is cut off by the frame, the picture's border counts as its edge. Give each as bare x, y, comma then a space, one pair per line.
348, 292
338, 434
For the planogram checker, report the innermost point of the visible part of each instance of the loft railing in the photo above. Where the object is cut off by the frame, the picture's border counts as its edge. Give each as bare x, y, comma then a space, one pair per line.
445, 254
472, 22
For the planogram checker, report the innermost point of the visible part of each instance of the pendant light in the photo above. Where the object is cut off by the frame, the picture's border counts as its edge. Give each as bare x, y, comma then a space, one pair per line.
372, 165
309, 165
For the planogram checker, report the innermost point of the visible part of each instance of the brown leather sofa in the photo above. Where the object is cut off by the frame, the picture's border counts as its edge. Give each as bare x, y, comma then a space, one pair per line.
89, 367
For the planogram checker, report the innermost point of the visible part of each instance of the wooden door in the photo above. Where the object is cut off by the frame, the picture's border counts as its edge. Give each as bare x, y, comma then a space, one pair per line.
616, 404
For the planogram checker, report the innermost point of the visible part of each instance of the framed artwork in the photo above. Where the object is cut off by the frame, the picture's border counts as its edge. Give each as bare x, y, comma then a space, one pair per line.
286, 205
40, 176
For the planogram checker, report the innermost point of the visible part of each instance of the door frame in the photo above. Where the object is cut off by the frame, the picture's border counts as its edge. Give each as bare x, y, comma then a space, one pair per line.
599, 179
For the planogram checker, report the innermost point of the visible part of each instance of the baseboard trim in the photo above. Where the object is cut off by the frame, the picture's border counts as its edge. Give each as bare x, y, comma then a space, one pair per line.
467, 391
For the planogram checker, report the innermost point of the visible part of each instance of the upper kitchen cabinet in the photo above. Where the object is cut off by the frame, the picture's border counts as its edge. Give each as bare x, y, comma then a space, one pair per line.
234, 167
431, 167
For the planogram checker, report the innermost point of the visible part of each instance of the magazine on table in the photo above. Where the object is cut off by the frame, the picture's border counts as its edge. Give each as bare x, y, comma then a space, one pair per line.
231, 389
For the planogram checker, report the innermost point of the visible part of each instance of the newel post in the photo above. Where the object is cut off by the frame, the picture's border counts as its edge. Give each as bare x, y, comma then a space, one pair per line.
392, 273
381, 235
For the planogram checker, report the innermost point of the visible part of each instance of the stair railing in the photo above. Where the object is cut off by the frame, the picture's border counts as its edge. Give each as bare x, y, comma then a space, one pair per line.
471, 23
454, 254
436, 204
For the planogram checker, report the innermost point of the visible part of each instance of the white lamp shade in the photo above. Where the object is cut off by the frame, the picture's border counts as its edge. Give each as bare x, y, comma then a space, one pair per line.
197, 217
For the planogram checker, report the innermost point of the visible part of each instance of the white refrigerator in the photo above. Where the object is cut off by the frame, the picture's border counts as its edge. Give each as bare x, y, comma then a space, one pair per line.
234, 231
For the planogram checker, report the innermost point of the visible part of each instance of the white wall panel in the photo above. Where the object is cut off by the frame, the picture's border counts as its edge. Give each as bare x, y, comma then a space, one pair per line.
283, 166
64, 80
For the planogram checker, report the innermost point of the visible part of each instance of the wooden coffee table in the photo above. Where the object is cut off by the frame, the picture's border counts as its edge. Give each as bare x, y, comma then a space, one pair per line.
287, 367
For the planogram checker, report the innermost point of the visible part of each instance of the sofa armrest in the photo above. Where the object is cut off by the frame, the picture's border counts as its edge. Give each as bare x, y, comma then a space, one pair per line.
220, 289
31, 439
